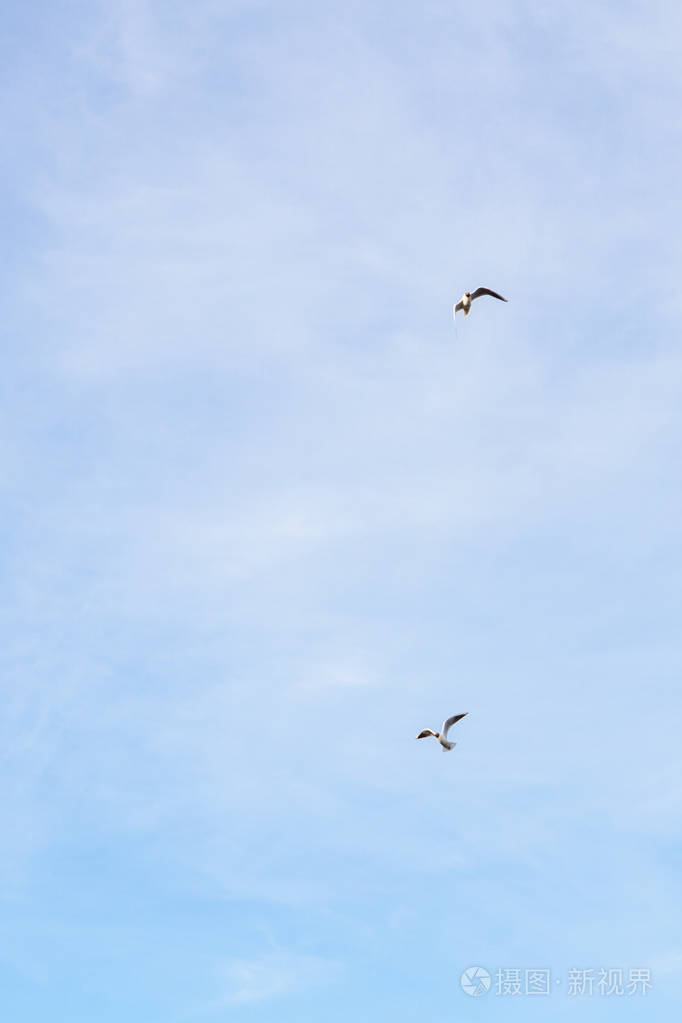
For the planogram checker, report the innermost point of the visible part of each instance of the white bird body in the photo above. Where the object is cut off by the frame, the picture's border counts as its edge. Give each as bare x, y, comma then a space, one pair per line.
442, 736
468, 297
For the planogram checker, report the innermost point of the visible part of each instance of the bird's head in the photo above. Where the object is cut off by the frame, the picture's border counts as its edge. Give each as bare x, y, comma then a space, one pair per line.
468, 294
438, 735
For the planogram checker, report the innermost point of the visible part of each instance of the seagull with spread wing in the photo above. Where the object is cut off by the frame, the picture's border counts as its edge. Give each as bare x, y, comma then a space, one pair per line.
469, 296
443, 735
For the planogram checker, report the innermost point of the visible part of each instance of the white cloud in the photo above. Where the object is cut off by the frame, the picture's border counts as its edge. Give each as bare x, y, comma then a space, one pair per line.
275, 975
274, 511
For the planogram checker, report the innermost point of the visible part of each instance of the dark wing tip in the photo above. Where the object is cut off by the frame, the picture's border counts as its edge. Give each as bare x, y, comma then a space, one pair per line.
457, 717
487, 291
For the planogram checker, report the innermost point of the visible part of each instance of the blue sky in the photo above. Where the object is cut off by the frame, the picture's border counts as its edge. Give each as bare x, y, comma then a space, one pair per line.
267, 512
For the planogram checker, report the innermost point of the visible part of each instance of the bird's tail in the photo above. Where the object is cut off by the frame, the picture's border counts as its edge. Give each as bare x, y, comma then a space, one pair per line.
447, 745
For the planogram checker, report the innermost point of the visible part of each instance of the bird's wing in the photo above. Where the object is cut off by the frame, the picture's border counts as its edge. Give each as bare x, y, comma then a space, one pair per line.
449, 722
486, 291
424, 732
457, 308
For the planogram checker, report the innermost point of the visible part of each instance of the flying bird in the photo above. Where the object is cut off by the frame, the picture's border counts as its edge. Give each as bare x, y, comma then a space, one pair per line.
443, 735
469, 296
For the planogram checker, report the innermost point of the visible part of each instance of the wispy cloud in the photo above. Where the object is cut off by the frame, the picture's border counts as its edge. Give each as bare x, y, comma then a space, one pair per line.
274, 975
271, 511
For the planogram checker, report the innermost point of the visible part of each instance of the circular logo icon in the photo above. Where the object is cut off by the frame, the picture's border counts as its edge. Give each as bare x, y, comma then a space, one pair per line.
475, 981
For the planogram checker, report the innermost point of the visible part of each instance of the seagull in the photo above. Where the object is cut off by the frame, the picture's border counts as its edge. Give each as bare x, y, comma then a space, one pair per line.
443, 736
469, 296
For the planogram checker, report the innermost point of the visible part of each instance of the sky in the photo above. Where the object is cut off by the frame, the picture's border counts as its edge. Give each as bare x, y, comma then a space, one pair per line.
267, 511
